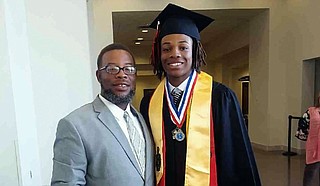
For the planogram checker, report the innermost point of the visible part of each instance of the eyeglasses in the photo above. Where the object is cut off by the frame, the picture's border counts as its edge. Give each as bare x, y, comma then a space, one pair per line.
129, 70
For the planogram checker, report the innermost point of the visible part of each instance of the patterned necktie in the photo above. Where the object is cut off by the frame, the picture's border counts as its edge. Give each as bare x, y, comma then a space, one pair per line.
136, 141
176, 95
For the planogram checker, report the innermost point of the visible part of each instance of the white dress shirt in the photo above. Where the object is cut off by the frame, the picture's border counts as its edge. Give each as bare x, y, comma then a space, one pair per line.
182, 86
118, 113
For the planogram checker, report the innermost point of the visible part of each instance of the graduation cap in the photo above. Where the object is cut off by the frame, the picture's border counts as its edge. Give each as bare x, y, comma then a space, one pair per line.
177, 20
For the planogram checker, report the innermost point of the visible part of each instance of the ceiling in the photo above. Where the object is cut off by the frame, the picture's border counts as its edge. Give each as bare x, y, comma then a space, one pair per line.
127, 26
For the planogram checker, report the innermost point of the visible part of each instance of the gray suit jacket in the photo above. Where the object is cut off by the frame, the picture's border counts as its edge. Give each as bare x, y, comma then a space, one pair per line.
91, 149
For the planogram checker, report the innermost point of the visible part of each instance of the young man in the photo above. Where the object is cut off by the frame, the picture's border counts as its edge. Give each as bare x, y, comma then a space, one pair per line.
106, 142
198, 129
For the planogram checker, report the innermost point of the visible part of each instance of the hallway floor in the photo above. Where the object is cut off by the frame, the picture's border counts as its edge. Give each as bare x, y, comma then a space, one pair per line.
278, 170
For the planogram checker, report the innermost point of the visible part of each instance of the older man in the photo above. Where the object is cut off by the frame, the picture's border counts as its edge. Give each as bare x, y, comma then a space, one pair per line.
106, 142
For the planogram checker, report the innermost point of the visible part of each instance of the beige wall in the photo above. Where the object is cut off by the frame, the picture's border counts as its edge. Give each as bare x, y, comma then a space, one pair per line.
279, 40
143, 82
259, 79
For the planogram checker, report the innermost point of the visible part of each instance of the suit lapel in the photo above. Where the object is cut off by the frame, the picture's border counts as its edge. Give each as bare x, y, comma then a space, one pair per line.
108, 120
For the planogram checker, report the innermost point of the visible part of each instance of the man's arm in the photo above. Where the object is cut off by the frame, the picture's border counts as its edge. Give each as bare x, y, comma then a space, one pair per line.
69, 161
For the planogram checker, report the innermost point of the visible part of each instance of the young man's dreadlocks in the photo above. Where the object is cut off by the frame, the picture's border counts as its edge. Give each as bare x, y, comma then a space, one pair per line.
198, 57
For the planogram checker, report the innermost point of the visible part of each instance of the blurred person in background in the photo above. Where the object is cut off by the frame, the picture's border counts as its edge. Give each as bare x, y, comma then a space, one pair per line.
309, 131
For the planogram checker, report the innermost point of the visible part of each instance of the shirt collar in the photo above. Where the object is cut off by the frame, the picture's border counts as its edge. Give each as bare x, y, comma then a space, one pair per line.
182, 86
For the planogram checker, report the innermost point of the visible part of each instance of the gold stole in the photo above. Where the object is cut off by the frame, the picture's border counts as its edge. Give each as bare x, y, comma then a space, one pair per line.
198, 130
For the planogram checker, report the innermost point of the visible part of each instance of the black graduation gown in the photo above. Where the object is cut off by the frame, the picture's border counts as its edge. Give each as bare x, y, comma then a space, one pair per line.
235, 160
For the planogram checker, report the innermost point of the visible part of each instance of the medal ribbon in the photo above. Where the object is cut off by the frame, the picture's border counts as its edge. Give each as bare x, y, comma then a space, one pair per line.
178, 116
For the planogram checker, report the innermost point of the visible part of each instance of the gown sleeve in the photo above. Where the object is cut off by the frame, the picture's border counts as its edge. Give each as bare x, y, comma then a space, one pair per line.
234, 155
144, 109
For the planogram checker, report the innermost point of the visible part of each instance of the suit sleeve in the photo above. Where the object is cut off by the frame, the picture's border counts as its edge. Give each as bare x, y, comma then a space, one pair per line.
69, 161
234, 156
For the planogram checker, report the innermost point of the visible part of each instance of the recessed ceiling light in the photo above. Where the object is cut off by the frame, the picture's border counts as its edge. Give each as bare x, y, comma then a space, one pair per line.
144, 30
137, 43
140, 39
